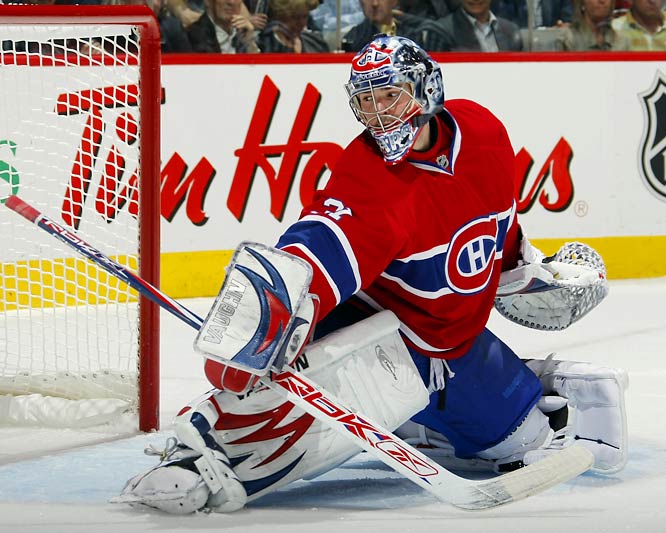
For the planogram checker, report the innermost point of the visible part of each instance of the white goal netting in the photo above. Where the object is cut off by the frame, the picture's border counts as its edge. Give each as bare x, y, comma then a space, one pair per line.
70, 135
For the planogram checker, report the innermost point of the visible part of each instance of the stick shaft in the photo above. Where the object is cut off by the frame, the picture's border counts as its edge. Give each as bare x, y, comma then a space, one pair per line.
367, 434
96, 256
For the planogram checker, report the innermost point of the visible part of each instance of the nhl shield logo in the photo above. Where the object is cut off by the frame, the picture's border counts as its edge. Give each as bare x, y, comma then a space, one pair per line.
653, 145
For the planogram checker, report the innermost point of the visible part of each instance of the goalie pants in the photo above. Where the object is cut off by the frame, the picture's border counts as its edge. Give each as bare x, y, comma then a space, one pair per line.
487, 394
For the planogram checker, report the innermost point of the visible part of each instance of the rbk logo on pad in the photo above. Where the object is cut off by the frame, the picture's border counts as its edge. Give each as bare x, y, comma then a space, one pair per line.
407, 458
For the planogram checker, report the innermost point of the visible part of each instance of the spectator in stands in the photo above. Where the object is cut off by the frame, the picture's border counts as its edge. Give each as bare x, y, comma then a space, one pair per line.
381, 16
474, 27
172, 34
547, 13
223, 28
257, 11
189, 11
287, 29
621, 7
429, 9
643, 25
591, 28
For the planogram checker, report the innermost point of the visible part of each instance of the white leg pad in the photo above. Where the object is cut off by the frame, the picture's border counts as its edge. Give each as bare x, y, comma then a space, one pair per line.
186, 481
270, 441
367, 366
532, 433
594, 397
437, 447
226, 490
596, 400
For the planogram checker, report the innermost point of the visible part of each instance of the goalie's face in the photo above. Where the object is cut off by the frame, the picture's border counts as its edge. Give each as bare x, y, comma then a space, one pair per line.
391, 84
386, 108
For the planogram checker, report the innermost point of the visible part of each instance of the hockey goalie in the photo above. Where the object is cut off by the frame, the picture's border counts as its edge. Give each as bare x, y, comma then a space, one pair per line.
381, 293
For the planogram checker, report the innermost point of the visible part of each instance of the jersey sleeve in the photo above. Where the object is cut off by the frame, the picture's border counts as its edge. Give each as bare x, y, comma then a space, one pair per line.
349, 234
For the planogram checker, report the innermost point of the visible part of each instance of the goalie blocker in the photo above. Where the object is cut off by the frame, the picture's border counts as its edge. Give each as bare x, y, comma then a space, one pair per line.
261, 318
247, 325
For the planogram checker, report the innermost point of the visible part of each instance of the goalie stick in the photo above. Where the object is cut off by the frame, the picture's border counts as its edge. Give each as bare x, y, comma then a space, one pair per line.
381, 443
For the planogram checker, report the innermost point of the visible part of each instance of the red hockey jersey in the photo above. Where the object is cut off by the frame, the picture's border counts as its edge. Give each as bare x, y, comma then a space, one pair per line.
426, 238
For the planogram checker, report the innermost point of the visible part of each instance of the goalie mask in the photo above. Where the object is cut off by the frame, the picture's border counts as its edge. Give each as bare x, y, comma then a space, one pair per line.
394, 88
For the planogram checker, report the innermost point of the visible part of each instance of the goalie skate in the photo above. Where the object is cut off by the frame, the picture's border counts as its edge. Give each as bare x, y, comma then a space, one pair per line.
180, 483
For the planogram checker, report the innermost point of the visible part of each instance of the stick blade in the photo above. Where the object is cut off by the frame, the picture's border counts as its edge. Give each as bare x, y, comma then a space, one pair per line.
557, 468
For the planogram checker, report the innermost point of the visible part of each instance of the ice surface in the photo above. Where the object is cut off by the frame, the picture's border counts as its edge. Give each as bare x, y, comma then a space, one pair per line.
68, 491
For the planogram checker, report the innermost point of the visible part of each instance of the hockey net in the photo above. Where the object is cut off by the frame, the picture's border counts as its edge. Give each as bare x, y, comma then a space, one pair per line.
79, 139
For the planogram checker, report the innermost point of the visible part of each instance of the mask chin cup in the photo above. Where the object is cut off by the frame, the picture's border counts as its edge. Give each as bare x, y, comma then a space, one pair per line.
396, 144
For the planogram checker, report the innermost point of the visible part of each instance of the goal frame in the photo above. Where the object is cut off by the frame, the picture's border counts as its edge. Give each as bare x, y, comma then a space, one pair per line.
149, 155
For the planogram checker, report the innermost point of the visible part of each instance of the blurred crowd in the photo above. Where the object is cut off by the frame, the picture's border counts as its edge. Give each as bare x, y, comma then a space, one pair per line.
305, 26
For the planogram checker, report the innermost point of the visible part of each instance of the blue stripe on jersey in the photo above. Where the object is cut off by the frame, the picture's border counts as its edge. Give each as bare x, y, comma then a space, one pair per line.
423, 276
461, 266
323, 243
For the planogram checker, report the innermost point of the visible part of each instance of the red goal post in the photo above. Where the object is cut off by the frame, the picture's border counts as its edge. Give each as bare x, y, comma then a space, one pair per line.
80, 103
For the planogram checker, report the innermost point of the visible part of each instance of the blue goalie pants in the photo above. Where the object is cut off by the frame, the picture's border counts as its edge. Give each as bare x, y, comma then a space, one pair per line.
488, 394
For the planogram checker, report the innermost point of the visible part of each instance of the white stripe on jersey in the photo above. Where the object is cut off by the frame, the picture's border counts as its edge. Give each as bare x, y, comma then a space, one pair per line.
427, 254
313, 259
429, 295
455, 151
342, 239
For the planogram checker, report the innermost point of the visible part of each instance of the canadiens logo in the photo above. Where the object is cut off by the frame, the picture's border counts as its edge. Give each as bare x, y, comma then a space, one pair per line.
653, 145
372, 59
469, 261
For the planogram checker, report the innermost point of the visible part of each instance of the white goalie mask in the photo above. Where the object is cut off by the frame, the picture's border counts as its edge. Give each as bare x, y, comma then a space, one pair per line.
394, 88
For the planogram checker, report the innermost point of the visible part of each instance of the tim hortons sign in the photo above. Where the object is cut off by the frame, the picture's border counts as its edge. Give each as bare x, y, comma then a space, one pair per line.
100, 177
